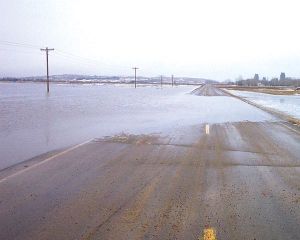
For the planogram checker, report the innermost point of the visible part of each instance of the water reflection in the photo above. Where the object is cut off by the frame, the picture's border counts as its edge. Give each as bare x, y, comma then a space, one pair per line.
32, 122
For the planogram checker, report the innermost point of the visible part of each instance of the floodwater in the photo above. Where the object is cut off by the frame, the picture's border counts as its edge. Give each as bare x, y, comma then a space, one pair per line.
33, 122
289, 104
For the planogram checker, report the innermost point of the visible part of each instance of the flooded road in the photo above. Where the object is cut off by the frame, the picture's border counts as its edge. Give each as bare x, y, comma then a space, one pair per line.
33, 123
228, 178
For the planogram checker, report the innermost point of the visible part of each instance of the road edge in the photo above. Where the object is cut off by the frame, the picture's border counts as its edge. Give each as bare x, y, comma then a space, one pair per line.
26, 165
290, 122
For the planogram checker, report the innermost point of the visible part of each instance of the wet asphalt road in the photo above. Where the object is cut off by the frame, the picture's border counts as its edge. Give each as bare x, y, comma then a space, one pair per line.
208, 90
233, 180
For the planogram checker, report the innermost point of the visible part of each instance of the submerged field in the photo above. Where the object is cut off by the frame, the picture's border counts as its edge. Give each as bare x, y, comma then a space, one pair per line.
32, 122
288, 104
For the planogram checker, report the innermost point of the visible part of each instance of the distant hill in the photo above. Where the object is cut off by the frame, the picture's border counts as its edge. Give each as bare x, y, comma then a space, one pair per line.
75, 78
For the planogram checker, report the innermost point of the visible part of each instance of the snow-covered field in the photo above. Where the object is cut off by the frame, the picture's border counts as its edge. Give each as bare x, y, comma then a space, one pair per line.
289, 104
32, 123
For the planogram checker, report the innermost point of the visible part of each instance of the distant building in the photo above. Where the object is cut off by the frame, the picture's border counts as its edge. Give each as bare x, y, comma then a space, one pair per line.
282, 76
274, 82
256, 77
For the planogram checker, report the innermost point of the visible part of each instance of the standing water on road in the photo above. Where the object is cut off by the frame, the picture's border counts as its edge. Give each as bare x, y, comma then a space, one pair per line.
32, 122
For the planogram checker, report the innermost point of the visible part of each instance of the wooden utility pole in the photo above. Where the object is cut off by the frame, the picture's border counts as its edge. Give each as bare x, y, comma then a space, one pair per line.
135, 68
47, 53
172, 80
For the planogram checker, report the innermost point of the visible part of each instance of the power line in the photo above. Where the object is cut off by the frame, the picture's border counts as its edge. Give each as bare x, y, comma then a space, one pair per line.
74, 60
21, 51
87, 60
76, 56
85, 63
16, 44
61, 53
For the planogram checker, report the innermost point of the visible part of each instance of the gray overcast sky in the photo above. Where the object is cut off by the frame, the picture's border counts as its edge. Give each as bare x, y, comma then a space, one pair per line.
213, 39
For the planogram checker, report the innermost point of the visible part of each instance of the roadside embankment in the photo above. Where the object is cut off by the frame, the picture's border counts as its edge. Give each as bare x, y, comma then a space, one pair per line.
267, 90
282, 115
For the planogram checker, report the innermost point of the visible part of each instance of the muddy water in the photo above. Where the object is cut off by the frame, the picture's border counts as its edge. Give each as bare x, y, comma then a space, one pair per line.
33, 122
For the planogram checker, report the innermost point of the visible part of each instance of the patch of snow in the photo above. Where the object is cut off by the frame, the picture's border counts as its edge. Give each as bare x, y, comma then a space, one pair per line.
289, 104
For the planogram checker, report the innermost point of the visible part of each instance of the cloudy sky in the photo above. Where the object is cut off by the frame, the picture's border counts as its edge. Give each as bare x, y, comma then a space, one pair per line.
214, 39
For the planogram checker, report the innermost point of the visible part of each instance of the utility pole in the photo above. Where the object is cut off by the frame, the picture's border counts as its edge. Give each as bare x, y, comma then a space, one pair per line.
172, 80
47, 53
135, 68
161, 81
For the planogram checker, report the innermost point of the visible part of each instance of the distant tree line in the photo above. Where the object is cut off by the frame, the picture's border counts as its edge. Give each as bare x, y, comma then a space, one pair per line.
9, 79
272, 82
283, 81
